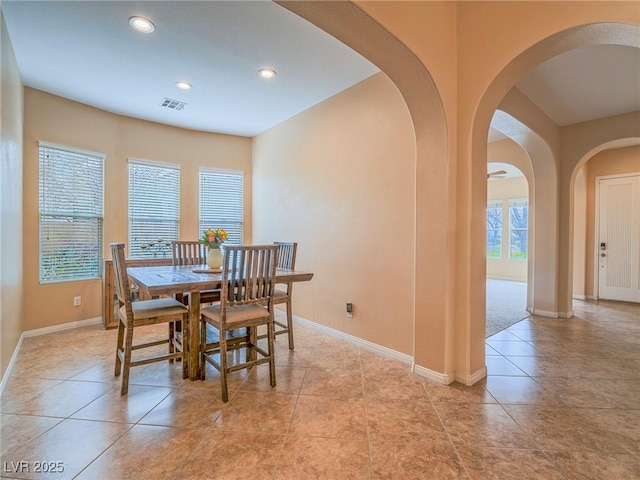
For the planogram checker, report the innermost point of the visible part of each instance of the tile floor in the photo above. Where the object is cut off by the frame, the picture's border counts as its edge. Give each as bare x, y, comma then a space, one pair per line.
562, 401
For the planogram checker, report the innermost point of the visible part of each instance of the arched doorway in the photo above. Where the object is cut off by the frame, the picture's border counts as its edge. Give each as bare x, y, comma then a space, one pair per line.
508, 234
434, 311
448, 323
615, 162
552, 251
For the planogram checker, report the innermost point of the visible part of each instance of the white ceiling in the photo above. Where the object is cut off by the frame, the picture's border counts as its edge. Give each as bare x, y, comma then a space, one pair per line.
511, 170
586, 84
86, 51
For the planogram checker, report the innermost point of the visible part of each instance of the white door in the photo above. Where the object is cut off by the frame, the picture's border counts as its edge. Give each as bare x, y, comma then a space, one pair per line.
619, 238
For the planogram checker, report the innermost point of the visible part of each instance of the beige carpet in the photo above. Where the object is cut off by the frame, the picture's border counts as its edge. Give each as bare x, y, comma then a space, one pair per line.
506, 304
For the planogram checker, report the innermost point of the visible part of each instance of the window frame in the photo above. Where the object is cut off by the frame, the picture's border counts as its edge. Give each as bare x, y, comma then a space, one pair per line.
45, 210
494, 204
172, 222
234, 225
514, 203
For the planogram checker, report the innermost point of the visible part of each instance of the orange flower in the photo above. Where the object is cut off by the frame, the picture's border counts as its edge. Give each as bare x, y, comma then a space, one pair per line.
213, 238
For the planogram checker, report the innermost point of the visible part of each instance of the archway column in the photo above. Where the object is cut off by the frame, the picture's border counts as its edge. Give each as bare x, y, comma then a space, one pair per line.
523, 122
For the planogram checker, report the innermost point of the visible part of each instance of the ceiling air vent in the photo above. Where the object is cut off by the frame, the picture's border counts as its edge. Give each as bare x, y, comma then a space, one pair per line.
172, 104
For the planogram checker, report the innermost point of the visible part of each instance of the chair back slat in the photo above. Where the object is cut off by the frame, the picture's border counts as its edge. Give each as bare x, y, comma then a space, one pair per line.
121, 279
187, 252
250, 272
287, 254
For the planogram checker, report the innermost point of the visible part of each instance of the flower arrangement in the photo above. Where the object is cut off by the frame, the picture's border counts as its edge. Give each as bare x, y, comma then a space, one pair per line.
213, 238
157, 246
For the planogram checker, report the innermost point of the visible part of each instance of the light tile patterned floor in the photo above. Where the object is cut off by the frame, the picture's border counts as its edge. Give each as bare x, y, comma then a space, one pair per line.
562, 401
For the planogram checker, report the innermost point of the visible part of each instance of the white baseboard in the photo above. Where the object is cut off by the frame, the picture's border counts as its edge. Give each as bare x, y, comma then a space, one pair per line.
585, 297
12, 362
63, 326
449, 378
472, 379
441, 378
374, 347
544, 313
37, 332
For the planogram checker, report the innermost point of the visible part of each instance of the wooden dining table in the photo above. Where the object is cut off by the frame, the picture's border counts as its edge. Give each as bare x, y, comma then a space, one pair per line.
193, 279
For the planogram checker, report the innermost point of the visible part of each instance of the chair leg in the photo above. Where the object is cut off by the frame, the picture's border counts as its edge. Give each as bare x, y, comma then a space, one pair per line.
223, 365
272, 362
290, 324
251, 339
172, 333
185, 348
203, 344
128, 345
119, 347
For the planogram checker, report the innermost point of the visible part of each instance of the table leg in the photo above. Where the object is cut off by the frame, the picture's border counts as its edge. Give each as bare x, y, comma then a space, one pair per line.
194, 335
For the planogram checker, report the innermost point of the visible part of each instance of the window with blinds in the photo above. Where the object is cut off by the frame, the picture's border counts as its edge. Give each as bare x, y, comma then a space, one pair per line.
518, 229
221, 202
70, 212
154, 208
494, 229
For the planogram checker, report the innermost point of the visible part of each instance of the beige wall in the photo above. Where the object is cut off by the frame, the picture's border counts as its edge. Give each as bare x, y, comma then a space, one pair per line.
339, 179
429, 29
11, 289
57, 120
608, 162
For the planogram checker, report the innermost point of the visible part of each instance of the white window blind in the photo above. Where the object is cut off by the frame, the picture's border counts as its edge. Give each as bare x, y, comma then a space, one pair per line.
221, 202
71, 213
154, 208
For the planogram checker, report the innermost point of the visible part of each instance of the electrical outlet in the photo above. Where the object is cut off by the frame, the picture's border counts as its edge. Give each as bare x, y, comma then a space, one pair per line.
349, 310
77, 301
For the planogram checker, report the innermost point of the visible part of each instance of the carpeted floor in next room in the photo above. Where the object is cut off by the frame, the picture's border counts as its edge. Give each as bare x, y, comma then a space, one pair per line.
506, 304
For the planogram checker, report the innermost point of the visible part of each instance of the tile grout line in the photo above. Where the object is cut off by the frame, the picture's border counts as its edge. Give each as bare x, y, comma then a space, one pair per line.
444, 427
366, 417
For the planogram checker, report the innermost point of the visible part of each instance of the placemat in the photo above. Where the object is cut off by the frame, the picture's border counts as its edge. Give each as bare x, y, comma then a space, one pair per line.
207, 270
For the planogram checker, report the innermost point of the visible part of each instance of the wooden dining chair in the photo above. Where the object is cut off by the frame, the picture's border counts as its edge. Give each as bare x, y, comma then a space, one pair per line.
246, 301
133, 315
286, 259
189, 252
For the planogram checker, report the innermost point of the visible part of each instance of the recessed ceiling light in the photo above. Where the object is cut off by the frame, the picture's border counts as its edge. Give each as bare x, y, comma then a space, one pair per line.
184, 85
142, 24
267, 72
